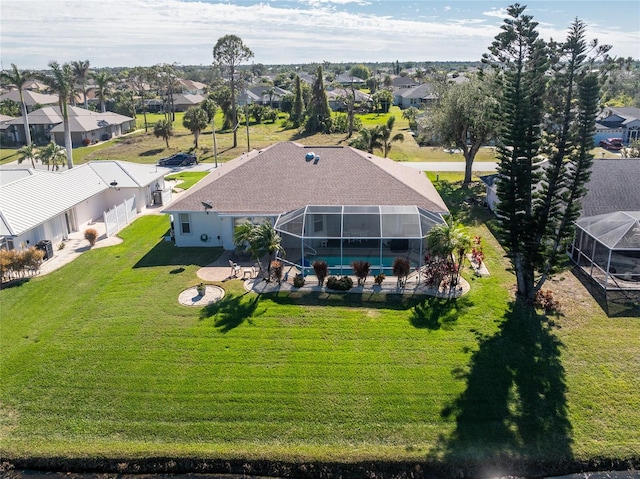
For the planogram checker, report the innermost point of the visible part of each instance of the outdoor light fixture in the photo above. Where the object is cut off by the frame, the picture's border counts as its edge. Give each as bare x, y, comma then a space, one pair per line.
114, 185
206, 206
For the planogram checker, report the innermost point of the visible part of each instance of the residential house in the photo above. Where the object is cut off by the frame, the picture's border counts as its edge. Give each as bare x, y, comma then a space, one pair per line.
607, 241
184, 101
192, 87
417, 97
86, 125
32, 99
334, 203
267, 95
345, 79
336, 98
398, 82
38, 205
614, 122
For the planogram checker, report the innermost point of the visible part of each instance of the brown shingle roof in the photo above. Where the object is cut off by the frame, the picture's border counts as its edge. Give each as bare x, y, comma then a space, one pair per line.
279, 179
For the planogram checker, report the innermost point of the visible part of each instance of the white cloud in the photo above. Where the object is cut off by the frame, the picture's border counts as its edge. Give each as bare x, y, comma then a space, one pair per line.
147, 32
496, 13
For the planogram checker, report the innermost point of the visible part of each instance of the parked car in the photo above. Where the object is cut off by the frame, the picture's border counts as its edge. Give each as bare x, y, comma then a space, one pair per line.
179, 159
612, 144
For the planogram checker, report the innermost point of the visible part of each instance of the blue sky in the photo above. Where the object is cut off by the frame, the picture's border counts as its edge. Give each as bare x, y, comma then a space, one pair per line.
147, 32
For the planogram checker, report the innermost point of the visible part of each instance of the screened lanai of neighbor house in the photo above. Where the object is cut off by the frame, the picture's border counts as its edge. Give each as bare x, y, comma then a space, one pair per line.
607, 248
333, 203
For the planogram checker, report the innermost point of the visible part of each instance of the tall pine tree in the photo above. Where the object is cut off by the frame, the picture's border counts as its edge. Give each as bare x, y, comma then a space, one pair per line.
547, 113
318, 113
298, 105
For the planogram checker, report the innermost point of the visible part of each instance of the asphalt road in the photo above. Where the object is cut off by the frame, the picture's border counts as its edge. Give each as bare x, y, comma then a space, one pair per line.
484, 166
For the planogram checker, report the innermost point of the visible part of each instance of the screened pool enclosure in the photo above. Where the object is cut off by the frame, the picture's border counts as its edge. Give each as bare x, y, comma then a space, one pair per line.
607, 248
340, 235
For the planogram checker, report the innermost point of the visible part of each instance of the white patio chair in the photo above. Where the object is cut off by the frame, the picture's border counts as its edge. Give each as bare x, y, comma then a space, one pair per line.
235, 269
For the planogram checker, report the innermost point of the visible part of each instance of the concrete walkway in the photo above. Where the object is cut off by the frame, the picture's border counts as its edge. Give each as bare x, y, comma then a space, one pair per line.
221, 271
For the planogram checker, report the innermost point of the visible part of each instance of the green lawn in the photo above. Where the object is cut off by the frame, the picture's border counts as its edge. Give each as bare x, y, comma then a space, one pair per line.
100, 360
187, 178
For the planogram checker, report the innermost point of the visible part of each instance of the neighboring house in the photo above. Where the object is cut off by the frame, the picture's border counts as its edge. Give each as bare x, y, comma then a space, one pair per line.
613, 186
264, 95
336, 98
398, 82
182, 101
334, 203
307, 78
613, 122
607, 241
32, 99
38, 205
47, 123
418, 97
4, 123
192, 87
347, 80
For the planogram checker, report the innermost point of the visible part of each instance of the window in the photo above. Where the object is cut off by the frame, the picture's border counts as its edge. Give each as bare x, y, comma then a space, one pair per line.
318, 223
185, 225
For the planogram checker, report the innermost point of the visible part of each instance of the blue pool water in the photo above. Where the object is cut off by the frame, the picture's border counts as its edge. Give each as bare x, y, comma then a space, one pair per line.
334, 262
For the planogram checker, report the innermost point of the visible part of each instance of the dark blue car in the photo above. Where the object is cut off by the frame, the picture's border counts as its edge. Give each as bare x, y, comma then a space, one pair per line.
179, 159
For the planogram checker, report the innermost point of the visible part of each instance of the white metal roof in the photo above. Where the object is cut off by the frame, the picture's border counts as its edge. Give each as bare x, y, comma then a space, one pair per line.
9, 175
128, 175
32, 200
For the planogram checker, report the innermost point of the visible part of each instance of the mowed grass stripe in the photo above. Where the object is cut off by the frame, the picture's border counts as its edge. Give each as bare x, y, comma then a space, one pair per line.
99, 358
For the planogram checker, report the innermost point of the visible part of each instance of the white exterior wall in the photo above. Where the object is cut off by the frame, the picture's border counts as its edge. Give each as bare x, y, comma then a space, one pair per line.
218, 230
201, 224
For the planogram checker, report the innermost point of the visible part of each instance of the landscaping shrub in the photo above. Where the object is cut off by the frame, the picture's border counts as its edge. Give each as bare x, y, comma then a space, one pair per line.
16, 264
477, 254
91, 235
361, 271
544, 300
321, 269
276, 270
401, 269
298, 281
339, 284
379, 278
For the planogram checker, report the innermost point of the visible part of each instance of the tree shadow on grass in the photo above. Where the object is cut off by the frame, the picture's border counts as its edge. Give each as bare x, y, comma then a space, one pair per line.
438, 313
513, 412
231, 311
153, 152
165, 253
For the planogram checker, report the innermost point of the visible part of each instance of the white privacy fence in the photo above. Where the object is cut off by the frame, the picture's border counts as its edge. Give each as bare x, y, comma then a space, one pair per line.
119, 216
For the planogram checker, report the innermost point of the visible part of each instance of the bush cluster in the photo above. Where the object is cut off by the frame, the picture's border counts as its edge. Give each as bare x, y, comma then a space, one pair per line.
91, 235
339, 284
545, 300
16, 264
298, 281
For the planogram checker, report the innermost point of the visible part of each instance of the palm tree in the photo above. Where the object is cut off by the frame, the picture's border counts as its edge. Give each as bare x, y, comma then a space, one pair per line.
52, 155
449, 241
19, 79
268, 242
164, 129
369, 139
28, 152
195, 120
385, 135
61, 82
103, 79
270, 93
80, 74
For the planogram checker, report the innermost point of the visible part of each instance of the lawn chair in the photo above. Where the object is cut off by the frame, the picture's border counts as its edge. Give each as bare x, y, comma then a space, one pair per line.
235, 269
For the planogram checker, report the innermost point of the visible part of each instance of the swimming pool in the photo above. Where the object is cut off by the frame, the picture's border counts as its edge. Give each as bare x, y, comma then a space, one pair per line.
336, 263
